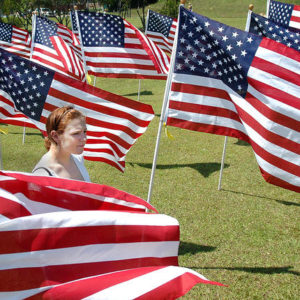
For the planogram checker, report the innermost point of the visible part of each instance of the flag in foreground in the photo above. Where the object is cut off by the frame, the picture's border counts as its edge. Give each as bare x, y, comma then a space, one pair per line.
231, 82
161, 30
15, 40
115, 48
262, 26
67, 239
113, 122
283, 13
56, 47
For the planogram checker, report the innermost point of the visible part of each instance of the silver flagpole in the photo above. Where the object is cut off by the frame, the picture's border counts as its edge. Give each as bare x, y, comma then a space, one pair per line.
268, 8
226, 138
163, 112
222, 163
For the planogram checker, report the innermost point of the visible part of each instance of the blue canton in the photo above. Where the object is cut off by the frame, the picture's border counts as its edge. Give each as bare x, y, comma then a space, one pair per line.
265, 27
5, 32
101, 30
26, 82
280, 12
159, 23
44, 30
211, 49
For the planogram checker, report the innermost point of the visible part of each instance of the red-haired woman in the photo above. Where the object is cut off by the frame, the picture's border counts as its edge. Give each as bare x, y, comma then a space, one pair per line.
66, 130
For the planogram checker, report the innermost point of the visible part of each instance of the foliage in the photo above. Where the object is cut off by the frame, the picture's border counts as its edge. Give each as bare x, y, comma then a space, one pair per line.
170, 8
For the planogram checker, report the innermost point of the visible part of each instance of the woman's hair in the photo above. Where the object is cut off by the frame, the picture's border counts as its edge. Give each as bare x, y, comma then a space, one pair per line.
58, 121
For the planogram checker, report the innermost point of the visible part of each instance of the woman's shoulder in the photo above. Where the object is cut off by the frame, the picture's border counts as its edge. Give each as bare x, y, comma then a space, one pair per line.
43, 167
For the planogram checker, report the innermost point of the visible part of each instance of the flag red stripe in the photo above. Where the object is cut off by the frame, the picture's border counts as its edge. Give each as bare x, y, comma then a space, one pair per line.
280, 118
108, 161
29, 278
274, 93
72, 201
270, 136
46, 239
200, 90
280, 49
276, 70
209, 128
12, 210
204, 109
276, 160
279, 182
295, 19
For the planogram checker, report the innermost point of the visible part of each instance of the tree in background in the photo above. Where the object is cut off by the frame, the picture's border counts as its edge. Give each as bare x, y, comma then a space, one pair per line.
170, 8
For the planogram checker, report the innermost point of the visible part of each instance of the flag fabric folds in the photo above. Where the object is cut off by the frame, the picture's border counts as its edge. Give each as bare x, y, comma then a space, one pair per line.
161, 30
262, 26
65, 239
113, 122
231, 82
15, 40
56, 47
287, 15
115, 48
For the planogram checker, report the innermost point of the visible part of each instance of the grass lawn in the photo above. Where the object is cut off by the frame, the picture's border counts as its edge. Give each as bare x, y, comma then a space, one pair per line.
246, 236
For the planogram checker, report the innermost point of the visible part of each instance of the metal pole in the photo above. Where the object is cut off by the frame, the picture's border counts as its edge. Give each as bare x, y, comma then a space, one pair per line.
222, 163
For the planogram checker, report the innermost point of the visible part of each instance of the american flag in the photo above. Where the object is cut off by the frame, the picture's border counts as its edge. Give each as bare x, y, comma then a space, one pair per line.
231, 82
265, 27
14, 39
161, 30
115, 48
71, 239
113, 122
56, 47
287, 15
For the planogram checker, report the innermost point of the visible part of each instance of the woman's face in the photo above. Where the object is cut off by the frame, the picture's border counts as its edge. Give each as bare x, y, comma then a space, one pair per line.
73, 139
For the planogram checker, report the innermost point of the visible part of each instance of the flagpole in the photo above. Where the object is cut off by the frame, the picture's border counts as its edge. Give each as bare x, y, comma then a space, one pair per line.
268, 7
222, 163
251, 6
163, 112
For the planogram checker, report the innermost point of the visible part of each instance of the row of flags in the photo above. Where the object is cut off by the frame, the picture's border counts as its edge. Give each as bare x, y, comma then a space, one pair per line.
214, 69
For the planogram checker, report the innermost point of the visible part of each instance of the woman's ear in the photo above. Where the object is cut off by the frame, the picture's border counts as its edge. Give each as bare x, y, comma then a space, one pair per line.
54, 136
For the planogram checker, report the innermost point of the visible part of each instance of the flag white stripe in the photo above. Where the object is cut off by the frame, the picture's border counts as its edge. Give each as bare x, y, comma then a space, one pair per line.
205, 119
93, 253
89, 218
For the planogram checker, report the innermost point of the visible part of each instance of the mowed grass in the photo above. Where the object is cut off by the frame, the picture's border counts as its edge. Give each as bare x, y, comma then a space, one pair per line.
245, 236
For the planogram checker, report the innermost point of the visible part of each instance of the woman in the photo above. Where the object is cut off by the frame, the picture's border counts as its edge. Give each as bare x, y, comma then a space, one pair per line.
66, 130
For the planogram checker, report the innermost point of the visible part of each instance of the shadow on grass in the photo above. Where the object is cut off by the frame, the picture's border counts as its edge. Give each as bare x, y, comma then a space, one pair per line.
263, 197
261, 270
192, 248
27, 133
241, 143
143, 93
205, 169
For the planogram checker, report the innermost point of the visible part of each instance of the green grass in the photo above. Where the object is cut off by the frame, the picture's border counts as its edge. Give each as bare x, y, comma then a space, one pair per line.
245, 236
